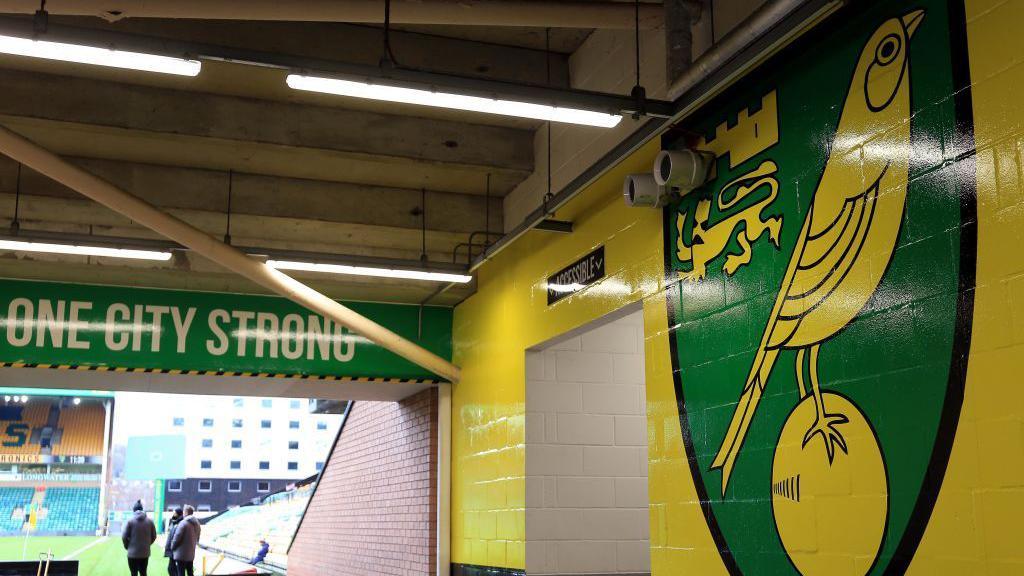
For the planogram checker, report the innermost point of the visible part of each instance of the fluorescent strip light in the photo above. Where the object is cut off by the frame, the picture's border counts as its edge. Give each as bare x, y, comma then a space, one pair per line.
98, 56
367, 271
83, 250
452, 101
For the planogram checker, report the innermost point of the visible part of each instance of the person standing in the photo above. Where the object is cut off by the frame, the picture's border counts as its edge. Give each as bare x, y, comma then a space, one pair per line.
172, 567
183, 545
138, 536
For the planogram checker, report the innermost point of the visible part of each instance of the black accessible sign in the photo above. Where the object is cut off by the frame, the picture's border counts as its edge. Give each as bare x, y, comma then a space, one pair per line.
576, 276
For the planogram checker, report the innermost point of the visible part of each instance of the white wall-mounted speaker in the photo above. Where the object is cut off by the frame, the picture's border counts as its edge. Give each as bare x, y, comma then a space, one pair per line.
683, 170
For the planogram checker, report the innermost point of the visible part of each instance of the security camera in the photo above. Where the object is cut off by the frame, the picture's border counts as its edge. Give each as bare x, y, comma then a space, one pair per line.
682, 170
641, 191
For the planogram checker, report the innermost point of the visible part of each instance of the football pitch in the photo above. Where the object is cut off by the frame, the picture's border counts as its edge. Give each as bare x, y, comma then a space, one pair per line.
96, 556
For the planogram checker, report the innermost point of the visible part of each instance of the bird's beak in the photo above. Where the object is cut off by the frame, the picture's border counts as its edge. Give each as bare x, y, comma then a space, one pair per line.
911, 20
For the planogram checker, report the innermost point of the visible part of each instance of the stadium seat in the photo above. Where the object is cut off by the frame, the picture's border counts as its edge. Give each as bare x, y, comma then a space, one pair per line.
82, 428
33, 415
12, 508
69, 511
237, 532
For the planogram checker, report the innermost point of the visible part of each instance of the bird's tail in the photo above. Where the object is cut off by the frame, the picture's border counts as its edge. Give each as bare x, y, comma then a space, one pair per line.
743, 415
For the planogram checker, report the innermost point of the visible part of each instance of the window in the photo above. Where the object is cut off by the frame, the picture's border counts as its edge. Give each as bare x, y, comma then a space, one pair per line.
293, 424
207, 442
264, 465
295, 405
264, 423
263, 486
236, 423
319, 466
174, 485
321, 425
207, 422
236, 464
293, 445
205, 464
205, 486
293, 465
178, 421
236, 443
267, 403
203, 508
239, 402
234, 486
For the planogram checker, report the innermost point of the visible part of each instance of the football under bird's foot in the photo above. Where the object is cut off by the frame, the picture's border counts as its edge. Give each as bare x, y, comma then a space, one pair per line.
826, 426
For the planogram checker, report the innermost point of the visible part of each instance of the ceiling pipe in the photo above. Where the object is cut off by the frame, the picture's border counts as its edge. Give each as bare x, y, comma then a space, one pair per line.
260, 252
763, 20
774, 25
468, 85
45, 162
530, 13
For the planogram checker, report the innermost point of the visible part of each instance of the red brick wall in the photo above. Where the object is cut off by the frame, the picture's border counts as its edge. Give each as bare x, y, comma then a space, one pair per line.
374, 512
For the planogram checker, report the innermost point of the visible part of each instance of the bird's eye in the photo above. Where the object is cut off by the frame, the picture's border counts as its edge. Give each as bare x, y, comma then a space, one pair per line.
887, 49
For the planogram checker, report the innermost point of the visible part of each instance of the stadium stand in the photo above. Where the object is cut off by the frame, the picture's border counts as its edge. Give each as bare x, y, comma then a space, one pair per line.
35, 416
70, 510
12, 508
237, 532
82, 428
72, 430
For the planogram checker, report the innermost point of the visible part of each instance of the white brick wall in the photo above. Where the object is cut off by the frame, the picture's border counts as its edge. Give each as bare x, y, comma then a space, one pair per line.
586, 454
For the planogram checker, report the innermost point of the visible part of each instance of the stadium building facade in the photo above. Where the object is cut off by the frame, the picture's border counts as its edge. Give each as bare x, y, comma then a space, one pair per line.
236, 449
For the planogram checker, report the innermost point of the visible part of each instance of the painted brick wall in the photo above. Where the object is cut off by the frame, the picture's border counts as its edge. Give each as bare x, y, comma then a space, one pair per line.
586, 454
374, 512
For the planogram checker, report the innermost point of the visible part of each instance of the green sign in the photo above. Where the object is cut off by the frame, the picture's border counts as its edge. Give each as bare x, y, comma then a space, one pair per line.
821, 286
138, 328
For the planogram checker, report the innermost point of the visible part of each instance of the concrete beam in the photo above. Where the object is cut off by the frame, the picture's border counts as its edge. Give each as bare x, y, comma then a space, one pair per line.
89, 118
270, 196
569, 14
356, 44
83, 216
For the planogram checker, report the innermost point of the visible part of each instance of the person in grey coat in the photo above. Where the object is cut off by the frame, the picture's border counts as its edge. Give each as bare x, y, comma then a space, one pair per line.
183, 545
172, 567
138, 536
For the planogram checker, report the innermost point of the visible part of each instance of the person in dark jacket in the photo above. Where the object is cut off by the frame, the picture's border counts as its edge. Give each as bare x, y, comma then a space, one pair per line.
261, 554
183, 545
138, 536
172, 567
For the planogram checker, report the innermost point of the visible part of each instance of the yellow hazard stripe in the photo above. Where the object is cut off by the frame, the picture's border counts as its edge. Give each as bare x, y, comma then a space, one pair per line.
175, 372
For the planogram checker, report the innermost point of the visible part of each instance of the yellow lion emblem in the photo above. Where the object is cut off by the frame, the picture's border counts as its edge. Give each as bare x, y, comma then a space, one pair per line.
707, 243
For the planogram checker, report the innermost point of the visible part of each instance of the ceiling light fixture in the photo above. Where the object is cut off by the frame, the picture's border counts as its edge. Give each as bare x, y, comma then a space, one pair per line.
76, 249
438, 99
98, 56
369, 271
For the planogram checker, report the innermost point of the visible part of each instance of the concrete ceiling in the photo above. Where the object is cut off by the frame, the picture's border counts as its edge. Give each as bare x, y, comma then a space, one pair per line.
311, 172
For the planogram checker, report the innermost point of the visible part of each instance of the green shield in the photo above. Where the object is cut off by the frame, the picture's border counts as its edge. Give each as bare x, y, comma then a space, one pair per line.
821, 289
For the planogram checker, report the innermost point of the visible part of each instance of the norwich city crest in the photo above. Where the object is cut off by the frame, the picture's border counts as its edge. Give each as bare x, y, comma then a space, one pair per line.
818, 289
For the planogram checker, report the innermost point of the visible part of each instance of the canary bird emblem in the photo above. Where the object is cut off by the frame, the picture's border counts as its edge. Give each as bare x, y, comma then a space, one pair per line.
819, 321
853, 222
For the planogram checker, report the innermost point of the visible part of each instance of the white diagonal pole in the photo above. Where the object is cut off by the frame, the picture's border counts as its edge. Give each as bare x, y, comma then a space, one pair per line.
49, 164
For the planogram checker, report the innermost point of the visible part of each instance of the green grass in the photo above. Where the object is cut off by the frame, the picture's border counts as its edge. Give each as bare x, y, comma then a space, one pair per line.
104, 559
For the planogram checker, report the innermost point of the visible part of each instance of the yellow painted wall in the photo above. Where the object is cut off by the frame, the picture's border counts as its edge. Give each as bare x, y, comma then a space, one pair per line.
974, 527
509, 314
